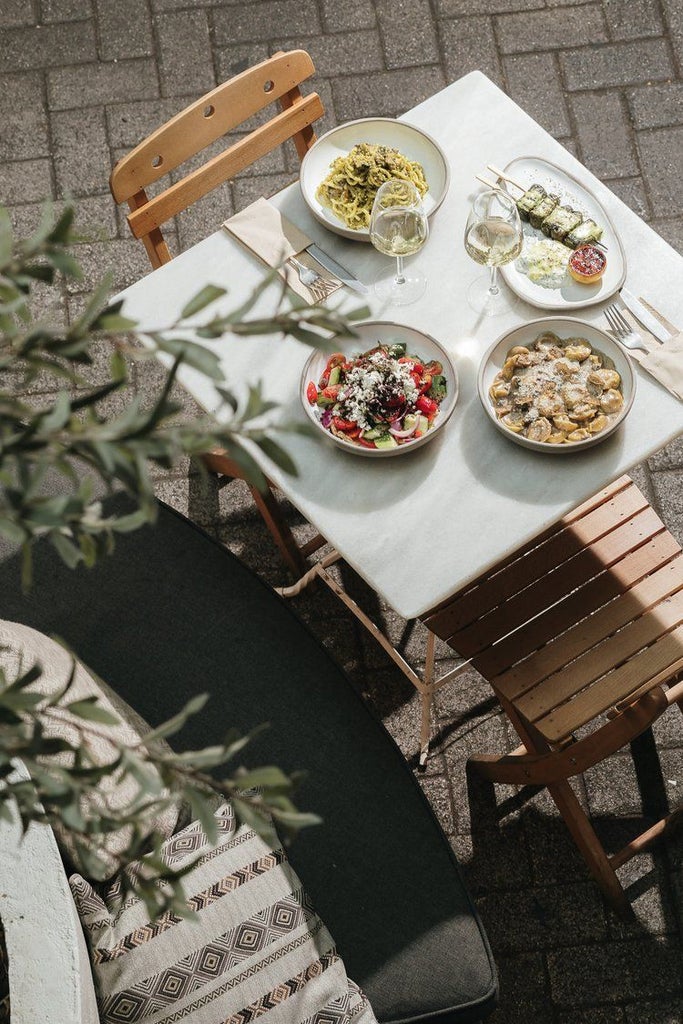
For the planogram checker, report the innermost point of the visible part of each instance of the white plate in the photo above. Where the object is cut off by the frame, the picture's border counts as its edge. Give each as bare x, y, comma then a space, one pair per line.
565, 327
370, 332
380, 131
571, 295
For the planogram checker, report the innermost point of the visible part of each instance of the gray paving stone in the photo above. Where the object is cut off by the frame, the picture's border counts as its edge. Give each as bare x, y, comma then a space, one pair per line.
81, 156
543, 30
523, 72
632, 192
455, 8
129, 123
661, 153
205, 216
608, 154
359, 52
85, 85
17, 12
596, 67
233, 60
469, 45
593, 1015
438, 792
385, 94
341, 15
633, 19
523, 989
24, 131
668, 1011
673, 17
65, 10
408, 38
545, 916
671, 229
248, 190
47, 46
125, 258
657, 106
270, 19
615, 972
670, 457
25, 181
124, 29
186, 65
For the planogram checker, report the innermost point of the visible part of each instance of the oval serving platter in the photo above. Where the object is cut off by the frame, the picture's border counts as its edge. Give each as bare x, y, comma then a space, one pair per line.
412, 142
571, 295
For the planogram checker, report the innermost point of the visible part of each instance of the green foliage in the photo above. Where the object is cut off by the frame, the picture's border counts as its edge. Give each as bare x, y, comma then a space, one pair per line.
68, 432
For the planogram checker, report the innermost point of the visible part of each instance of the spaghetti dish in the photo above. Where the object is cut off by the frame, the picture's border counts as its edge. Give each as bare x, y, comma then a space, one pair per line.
349, 189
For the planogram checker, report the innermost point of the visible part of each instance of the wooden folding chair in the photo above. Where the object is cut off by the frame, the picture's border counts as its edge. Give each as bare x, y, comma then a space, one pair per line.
189, 133
581, 636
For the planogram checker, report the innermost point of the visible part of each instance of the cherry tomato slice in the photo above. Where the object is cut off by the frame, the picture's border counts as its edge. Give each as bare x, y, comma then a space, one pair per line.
312, 393
341, 424
434, 367
426, 405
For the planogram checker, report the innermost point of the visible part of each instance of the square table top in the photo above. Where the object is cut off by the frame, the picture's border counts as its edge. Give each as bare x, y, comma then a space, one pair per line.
421, 526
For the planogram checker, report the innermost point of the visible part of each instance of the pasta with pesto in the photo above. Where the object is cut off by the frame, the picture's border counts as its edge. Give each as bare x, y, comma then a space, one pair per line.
349, 189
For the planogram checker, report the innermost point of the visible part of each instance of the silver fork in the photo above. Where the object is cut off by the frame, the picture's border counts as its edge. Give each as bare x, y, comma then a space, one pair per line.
319, 286
623, 330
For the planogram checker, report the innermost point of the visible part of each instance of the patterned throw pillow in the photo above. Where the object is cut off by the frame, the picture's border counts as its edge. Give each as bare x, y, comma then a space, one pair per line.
256, 947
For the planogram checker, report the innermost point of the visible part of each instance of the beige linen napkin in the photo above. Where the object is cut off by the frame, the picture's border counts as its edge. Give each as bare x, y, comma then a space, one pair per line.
273, 238
664, 361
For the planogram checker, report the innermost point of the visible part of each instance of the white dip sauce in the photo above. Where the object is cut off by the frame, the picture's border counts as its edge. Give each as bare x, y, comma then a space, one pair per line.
544, 261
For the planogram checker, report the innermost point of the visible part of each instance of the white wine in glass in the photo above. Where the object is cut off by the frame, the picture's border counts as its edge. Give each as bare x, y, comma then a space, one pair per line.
493, 237
399, 227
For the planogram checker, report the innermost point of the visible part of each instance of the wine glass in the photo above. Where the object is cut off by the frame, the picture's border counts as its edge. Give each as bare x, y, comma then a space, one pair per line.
493, 237
399, 227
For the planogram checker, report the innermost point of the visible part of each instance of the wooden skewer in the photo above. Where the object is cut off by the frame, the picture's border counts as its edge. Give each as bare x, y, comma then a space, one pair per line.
485, 181
506, 177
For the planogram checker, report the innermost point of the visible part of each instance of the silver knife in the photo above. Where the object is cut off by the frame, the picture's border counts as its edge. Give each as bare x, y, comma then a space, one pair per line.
646, 318
335, 268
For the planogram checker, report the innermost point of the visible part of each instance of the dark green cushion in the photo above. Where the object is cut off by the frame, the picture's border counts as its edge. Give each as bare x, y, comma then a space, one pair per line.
172, 614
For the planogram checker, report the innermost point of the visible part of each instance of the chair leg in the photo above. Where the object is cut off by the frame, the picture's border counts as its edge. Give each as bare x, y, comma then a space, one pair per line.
280, 531
426, 697
295, 559
497, 769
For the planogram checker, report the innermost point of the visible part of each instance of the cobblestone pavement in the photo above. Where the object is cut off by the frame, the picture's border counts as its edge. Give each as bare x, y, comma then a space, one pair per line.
81, 81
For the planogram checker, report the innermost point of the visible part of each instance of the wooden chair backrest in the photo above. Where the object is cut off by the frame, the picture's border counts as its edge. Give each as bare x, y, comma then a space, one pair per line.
203, 122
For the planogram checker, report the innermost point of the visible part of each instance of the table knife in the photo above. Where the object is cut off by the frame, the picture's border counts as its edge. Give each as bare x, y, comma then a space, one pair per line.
646, 318
335, 268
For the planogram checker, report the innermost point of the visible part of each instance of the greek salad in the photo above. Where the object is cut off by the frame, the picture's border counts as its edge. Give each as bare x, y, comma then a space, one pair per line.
380, 399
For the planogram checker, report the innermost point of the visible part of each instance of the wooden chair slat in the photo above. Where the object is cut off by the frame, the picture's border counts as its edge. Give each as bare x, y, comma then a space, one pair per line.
554, 584
625, 605
652, 664
496, 660
224, 166
599, 658
522, 572
191, 130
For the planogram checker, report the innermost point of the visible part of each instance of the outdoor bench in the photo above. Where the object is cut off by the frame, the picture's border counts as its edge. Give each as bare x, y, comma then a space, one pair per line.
172, 614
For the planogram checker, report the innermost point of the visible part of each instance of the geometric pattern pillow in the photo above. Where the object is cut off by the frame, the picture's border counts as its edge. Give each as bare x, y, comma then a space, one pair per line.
255, 949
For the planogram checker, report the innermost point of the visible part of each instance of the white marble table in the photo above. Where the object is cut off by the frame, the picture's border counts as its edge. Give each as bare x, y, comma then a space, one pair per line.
421, 526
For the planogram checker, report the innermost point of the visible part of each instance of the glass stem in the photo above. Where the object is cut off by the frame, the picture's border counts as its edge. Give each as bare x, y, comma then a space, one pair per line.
493, 286
400, 276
